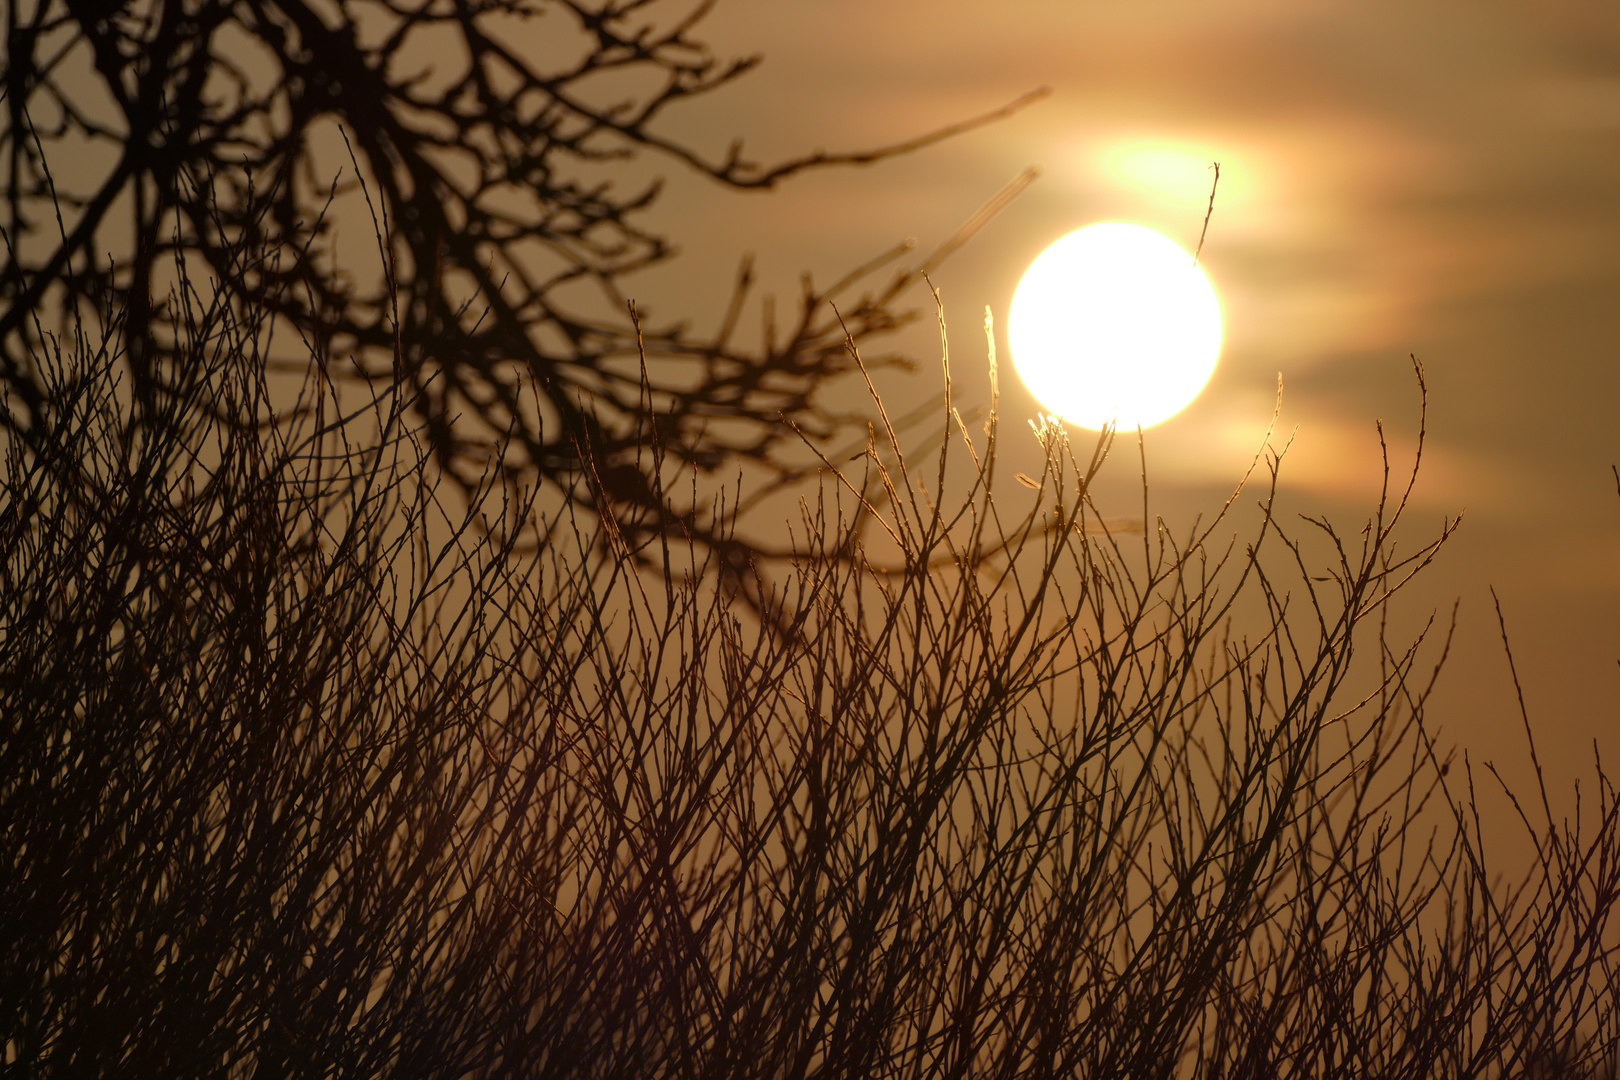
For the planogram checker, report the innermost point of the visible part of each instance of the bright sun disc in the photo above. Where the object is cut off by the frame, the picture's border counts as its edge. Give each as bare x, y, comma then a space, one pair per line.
1115, 324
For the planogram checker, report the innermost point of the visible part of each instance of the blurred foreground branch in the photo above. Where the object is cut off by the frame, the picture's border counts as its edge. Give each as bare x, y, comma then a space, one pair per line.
496, 142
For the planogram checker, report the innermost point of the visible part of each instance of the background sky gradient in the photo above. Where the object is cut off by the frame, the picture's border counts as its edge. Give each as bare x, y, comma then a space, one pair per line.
1438, 179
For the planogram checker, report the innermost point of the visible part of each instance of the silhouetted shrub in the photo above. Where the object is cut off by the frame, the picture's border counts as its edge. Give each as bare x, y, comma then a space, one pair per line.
304, 771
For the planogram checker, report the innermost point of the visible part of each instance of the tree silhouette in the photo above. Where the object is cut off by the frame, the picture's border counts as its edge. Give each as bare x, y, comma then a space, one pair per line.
489, 170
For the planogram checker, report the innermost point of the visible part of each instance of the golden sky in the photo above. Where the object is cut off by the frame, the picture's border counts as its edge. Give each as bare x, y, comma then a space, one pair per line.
1439, 179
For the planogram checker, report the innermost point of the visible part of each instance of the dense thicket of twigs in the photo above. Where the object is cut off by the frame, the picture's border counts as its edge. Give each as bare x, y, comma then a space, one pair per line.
302, 774
493, 137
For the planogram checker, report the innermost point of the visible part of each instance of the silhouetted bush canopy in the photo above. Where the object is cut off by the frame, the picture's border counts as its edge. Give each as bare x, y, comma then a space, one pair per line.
303, 773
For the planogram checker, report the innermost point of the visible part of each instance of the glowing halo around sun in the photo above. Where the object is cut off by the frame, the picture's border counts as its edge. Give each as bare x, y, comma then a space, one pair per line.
1115, 324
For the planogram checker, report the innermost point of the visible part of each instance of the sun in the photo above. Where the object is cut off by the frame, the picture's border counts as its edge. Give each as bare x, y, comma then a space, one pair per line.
1115, 324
